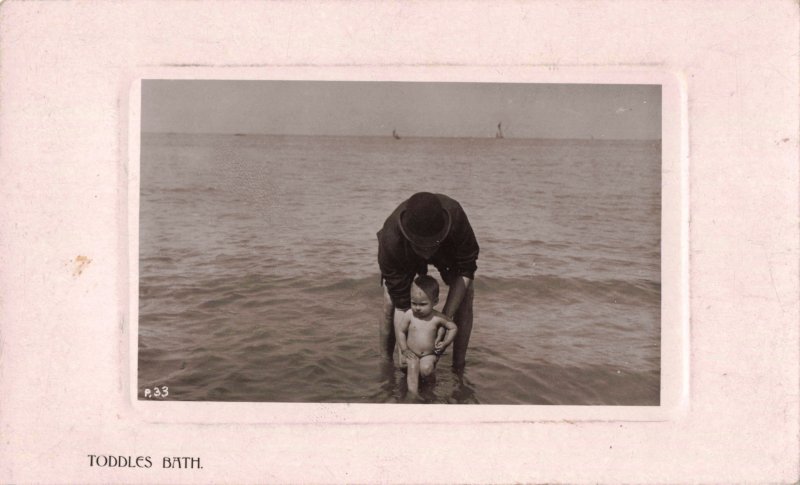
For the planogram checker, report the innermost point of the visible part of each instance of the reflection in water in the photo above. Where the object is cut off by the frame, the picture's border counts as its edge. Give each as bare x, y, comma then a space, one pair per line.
387, 375
446, 386
463, 392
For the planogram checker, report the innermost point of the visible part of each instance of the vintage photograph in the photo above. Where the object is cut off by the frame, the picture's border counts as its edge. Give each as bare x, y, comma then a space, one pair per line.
400, 242
290, 242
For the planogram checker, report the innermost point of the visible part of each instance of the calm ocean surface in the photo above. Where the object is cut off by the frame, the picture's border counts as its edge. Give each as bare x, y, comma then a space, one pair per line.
259, 279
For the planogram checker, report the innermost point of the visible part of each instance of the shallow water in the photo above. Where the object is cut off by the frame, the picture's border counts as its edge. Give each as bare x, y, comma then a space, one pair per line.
259, 279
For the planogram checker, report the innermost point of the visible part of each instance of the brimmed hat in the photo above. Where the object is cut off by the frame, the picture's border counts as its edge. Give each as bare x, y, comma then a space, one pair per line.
424, 222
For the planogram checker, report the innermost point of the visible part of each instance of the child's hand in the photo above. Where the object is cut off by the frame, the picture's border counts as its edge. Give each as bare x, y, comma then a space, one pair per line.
439, 346
409, 354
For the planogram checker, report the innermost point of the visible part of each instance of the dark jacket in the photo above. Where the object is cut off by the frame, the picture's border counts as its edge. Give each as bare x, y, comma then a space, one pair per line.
399, 263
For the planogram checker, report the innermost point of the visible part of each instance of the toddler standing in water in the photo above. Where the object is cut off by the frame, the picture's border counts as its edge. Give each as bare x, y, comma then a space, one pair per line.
418, 330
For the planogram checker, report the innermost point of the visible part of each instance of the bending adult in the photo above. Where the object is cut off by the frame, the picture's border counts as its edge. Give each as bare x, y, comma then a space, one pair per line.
427, 229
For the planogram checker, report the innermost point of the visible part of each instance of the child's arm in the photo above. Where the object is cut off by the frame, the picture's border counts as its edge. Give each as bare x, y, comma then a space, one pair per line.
452, 329
400, 331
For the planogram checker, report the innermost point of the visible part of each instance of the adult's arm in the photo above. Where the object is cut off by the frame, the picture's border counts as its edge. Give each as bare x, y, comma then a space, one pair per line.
396, 278
400, 329
466, 246
466, 249
452, 330
458, 289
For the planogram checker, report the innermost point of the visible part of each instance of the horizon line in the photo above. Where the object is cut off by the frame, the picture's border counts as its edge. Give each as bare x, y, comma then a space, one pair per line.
488, 137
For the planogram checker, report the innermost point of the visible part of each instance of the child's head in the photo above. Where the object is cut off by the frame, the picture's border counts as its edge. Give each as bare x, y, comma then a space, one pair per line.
424, 295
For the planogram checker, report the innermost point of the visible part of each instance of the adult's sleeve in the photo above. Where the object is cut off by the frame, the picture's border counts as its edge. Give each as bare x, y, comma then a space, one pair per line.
396, 278
466, 246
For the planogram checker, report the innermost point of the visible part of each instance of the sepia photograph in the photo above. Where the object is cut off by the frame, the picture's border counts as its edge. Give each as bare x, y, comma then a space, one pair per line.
294, 242
400, 242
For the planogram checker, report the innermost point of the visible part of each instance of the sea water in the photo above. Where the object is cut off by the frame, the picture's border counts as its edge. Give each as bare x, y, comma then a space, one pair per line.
259, 279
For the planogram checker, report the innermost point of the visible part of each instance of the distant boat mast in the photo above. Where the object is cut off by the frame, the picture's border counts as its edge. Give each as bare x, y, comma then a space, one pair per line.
395, 135
499, 133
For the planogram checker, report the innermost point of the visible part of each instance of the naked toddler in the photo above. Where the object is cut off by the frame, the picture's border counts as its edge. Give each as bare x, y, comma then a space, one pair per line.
418, 330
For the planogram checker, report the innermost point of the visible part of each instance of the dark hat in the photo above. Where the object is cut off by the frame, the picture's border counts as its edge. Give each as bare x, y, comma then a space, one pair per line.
424, 222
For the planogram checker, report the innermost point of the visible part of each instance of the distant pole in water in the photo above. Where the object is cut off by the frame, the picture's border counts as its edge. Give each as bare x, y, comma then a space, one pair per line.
499, 133
395, 135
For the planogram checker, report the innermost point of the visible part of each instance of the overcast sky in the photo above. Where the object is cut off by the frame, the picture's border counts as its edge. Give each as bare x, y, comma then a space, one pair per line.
413, 109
